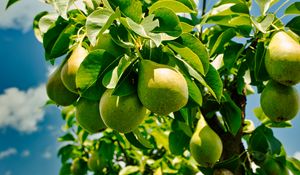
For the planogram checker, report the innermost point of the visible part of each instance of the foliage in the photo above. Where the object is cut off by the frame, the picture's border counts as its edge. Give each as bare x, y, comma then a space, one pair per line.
220, 52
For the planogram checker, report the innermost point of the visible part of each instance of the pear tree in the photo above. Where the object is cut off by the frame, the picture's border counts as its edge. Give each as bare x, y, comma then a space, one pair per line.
161, 86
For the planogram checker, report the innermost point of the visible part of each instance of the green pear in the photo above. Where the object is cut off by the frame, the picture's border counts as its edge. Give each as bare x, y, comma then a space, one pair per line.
121, 113
95, 162
106, 42
69, 70
271, 167
161, 88
78, 167
57, 91
283, 59
206, 146
88, 115
279, 102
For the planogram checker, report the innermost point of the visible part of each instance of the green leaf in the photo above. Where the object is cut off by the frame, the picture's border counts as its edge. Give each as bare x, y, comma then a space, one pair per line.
178, 142
112, 78
231, 114
258, 112
229, 9
57, 39
231, 54
188, 56
263, 141
96, 21
95, 65
37, 31
120, 36
130, 8
293, 164
225, 37
214, 81
10, 2
265, 23
264, 5
259, 66
65, 169
107, 149
294, 25
129, 170
137, 140
197, 47
175, 6
65, 152
192, 72
46, 22
194, 91
169, 23
293, 9
66, 137
62, 6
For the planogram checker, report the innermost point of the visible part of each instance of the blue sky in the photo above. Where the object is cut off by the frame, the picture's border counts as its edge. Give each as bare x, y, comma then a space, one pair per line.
28, 132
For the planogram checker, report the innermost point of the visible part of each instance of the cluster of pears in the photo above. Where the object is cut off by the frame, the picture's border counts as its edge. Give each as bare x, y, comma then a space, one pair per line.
161, 89
205, 145
280, 100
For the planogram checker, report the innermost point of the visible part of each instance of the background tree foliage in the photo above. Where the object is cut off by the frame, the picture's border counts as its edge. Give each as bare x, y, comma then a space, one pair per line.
219, 51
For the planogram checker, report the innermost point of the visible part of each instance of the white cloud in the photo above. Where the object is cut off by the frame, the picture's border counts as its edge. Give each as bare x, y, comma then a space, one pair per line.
8, 173
20, 16
47, 154
22, 110
7, 153
25, 153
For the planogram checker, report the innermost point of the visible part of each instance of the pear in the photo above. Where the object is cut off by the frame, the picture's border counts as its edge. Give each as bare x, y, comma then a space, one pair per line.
95, 162
57, 91
78, 167
121, 113
88, 115
161, 88
206, 146
283, 59
69, 70
271, 167
279, 102
106, 42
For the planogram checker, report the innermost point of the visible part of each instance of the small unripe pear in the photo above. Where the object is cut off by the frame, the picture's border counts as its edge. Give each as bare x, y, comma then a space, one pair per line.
57, 91
88, 115
161, 88
279, 102
283, 59
206, 146
69, 70
121, 113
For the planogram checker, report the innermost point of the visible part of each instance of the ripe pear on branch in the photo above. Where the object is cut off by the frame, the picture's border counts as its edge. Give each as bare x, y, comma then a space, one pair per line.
205, 145
57, 91
88, 115
283, 59
121, 113
69, 70
161, 88
279, 102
